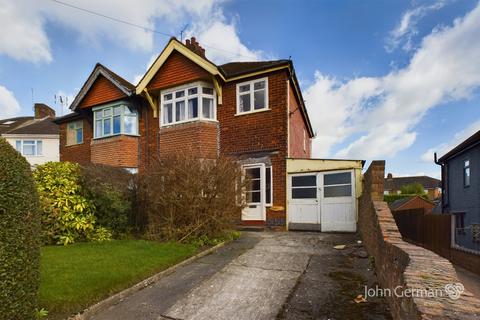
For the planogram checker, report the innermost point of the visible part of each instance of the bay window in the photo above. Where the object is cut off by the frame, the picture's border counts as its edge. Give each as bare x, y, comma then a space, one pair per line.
252, 96
188, 103
115, 120
29, 147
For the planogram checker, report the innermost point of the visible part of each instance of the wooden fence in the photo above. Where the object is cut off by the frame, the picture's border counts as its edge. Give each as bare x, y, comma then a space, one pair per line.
434, 232
431, 231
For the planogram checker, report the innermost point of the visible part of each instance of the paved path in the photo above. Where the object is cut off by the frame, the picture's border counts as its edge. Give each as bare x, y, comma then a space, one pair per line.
263, 276
470, 280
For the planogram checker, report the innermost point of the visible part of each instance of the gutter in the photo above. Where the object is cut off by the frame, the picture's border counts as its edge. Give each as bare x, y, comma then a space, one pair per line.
444, 176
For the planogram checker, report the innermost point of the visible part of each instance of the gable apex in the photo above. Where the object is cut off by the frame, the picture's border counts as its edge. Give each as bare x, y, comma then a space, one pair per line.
101, 71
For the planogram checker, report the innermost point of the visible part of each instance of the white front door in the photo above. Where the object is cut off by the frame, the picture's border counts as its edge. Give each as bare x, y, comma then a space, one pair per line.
255, 193
338, 201
323, 200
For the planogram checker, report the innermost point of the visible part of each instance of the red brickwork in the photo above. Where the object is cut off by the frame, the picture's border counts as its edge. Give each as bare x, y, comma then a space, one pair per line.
257, 132
116, 151
197, 138
177, 70
102, 91
398, 263
299, 140
79, 153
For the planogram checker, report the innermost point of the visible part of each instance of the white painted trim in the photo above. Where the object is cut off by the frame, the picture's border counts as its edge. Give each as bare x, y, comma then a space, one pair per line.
252, 97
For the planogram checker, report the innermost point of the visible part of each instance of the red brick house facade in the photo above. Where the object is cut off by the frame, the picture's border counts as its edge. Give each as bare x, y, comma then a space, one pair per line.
252, 111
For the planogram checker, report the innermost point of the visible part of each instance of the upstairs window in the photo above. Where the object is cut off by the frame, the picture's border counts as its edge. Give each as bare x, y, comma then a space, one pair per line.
466, 173
115, 120
252, 96
188, 104
29, 147
75, 133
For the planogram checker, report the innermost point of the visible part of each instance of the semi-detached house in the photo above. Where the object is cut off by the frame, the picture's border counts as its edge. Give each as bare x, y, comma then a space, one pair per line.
253, 111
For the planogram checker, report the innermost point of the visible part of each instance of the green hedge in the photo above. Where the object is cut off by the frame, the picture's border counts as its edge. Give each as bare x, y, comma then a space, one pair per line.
389, 198
19, 236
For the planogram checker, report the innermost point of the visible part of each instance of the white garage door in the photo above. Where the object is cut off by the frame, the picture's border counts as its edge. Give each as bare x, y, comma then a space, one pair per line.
322, 201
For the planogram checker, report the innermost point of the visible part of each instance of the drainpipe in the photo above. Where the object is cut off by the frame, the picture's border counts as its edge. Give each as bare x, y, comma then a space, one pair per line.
444, 176
288, 117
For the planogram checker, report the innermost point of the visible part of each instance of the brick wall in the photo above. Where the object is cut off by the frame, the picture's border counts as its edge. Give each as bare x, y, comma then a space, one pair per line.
259, 132
299, 137
197, 138
79, 153
117, 151
402, 264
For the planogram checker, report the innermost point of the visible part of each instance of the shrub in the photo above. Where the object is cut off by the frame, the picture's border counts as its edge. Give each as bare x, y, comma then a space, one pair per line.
185, 197
19, 236
414, 188
110, 190
67, 214
389, 198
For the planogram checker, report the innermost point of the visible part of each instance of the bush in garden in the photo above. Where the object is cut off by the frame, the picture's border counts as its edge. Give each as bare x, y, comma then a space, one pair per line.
111, 191
19, 236
67, 215
189, 198
414, 188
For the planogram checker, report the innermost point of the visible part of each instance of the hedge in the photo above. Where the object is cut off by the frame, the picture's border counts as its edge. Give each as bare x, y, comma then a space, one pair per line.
19, 236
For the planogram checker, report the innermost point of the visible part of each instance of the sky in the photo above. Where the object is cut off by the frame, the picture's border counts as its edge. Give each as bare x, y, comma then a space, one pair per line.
394, 80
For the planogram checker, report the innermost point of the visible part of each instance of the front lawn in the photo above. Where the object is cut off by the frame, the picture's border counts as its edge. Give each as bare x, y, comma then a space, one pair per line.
76, 276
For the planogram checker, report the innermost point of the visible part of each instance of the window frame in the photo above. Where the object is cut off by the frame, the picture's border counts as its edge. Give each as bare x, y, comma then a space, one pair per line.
252, 97
35, 147
464, 170
291, 187
111, 107
75, 129
199, 85
325, 186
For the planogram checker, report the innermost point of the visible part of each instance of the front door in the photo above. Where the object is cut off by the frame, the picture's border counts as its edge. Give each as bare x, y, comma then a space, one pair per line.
255, 192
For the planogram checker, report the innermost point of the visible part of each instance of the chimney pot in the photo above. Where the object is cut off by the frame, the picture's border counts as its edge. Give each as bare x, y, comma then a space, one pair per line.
194, 46
389, 176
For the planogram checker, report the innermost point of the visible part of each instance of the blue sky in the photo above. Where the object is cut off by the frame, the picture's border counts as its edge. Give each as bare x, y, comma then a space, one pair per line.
392, 80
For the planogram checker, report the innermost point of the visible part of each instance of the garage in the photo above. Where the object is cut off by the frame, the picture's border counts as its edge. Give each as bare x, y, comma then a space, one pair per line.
323, 194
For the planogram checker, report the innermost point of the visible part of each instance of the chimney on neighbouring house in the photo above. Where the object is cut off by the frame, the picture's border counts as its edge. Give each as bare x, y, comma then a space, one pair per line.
389, 176
43, 111
193, 45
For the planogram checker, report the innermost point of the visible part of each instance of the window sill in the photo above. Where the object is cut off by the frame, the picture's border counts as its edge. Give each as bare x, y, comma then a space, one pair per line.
188, 121
250, 112
116, 135
73, 144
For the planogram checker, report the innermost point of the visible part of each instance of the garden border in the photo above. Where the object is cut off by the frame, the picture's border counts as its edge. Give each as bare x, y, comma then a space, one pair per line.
118, 297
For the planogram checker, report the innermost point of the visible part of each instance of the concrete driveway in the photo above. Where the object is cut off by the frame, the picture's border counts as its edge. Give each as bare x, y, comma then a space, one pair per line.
263, 275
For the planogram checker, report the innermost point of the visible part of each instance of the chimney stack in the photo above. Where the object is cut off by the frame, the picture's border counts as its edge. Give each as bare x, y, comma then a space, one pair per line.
389, 176
194, 46
43, 111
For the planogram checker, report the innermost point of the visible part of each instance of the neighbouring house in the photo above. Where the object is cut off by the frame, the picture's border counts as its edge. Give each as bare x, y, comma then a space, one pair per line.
412, 202
432, 186
461, 190
36, 138
253, 111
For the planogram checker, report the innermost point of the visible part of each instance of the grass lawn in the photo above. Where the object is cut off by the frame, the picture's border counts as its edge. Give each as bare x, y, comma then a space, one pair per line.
76, 276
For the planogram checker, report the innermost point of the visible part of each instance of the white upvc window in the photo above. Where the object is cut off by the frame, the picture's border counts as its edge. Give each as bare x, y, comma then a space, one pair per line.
29, 147
115, 119
252, 96
192, 102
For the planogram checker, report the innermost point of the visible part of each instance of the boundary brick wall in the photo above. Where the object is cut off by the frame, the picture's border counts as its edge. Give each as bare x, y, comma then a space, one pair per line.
399, 263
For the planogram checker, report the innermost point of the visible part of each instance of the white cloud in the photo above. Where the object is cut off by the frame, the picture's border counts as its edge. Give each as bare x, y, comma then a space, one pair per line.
24, 37
138, 77
221, 40
459, 137
406, 29
385, 110
9, 106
